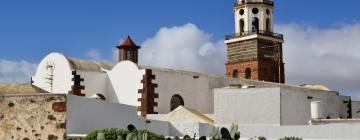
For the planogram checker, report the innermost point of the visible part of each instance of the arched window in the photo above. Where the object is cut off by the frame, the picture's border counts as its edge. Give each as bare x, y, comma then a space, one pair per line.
247, 73
176, 101
255, 24
242, 25
268, 24
235, 74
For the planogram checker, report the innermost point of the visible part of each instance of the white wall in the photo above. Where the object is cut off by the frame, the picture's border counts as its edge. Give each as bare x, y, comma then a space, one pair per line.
86, 115
248, 15
247, 106
197, 93
94, 82
355, 109
319, 132
124, 81
295, 105
63, 74
182, 129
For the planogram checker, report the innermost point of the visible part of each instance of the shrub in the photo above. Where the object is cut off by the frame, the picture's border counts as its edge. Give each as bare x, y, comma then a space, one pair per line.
112, 134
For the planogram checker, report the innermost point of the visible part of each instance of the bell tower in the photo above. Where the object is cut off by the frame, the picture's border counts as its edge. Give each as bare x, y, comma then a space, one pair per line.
255, 51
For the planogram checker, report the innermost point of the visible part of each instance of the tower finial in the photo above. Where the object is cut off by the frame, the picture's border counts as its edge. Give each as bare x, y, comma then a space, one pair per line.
128, 50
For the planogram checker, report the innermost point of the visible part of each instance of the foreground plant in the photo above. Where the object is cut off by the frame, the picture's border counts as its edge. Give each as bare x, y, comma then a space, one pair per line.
131, 134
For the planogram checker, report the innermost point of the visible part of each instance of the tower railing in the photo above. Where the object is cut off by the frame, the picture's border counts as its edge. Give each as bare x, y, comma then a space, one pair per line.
268, 2
260, 32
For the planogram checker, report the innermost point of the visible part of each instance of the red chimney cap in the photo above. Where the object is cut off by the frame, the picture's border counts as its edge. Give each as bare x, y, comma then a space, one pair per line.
128, 42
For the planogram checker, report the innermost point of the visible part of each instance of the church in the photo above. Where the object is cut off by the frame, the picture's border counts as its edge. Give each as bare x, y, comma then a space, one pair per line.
251, 93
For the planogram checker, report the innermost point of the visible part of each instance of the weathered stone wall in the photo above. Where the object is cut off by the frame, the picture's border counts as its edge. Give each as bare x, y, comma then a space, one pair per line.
32, 117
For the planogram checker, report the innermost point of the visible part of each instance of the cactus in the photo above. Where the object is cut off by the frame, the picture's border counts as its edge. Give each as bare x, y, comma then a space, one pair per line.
100, 136
215, 134
225, 134
186, 137
202, 138
120, 138
132, 135
235, 134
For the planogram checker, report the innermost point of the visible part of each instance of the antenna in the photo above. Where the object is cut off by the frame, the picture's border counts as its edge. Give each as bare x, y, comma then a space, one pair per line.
50, 67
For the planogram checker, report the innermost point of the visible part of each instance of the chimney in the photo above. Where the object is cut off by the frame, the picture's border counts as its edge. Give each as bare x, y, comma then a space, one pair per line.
128, 50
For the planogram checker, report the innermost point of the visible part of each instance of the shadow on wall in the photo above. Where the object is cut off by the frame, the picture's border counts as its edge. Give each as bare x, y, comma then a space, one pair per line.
111, 95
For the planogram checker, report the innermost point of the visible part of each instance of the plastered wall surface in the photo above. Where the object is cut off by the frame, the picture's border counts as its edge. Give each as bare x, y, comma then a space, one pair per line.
32, 117
86, 115
295, 105
124, 81
195, 89
62, 74
247, 106
355, 109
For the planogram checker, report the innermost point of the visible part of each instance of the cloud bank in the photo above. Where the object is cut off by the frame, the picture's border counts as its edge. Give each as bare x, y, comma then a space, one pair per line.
323, 56
16, 71
186, 48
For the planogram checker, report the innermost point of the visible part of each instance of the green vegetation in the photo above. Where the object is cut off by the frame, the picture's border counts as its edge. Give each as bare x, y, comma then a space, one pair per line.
131, 134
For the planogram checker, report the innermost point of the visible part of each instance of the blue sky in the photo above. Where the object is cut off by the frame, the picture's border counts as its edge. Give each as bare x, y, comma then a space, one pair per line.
321, 36
29, 29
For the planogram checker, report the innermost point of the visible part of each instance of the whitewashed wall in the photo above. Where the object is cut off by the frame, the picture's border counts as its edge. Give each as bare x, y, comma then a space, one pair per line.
295, 105
199, 129
247, 106
63, 74
248, 15
94, 82
86, 115
197, 93
123, 83
355, 109
319, 132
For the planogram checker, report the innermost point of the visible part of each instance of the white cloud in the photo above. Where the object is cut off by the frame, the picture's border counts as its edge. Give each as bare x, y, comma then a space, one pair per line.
323, 56
16, 71
184, 47
94, 54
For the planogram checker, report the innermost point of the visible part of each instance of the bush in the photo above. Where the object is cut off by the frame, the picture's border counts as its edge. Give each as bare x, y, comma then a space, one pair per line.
290, 138
112, 134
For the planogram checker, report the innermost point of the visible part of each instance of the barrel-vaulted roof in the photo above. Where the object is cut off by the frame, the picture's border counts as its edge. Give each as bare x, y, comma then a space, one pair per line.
88, 65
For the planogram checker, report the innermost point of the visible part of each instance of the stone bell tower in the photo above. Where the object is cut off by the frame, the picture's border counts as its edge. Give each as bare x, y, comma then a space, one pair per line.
255, 51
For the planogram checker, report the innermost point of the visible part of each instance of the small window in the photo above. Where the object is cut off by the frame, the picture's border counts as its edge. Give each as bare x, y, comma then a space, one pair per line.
255, 10
235, 74
247, 73
255, 24
268, 12
268, 24
176, 101
241, 12
242, 25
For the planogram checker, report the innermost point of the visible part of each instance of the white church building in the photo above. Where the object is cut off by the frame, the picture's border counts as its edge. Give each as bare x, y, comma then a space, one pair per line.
251, 94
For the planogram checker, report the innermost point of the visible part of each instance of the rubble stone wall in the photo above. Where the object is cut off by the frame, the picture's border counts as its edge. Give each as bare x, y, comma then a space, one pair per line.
33, 117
